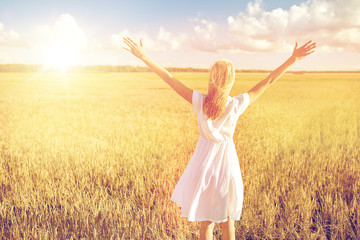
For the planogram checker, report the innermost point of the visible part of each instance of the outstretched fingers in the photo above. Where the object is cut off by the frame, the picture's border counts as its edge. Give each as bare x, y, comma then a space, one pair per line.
131, 45
304, 50
310, 49
307, 48
309, 45
306, 53
127, 49
134, 48
129, 42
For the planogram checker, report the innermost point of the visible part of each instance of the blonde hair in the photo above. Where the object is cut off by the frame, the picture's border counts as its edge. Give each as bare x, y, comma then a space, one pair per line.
222, 76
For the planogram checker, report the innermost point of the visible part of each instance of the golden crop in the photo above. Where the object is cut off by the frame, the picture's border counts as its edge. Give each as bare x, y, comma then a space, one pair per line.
97, 156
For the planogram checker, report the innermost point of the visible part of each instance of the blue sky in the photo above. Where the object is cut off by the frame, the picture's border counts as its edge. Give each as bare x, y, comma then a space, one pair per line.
253, 34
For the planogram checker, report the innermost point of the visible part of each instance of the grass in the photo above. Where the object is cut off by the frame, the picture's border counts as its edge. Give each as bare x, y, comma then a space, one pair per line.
97, 156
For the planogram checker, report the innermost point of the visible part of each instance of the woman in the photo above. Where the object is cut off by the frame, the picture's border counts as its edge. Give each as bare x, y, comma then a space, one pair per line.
211, 189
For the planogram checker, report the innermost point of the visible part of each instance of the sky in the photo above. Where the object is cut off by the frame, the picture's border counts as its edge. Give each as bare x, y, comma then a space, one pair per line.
255, 34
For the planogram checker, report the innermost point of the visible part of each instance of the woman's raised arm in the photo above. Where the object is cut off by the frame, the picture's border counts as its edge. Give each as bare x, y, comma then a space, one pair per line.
297, 54
174, 83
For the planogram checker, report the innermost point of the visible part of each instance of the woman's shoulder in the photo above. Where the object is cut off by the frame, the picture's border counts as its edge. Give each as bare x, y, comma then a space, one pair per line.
241, 102
195, 92
197, 100
198, 95
241, 97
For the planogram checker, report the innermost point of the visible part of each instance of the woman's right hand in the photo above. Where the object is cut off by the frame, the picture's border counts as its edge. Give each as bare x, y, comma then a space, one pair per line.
135, 49
303, 51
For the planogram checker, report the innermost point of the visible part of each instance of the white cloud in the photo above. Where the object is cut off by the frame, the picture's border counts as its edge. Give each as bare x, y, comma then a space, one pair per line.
162, 41
65, 31
169, 41
9, 38
334, 24
206, 35
206, 29
254, 8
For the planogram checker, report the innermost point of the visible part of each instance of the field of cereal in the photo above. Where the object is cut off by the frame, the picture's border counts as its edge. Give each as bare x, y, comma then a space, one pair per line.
97, 156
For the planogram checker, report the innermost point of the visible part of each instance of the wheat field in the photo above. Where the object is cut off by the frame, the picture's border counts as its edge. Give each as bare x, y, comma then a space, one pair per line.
97, 156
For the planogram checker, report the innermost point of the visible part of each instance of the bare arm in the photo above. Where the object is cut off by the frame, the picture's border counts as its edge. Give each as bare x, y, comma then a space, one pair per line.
297, 54
174, 83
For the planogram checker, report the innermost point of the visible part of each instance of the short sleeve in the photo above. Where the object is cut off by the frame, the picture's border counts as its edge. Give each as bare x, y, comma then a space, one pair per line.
197, 101
242, 102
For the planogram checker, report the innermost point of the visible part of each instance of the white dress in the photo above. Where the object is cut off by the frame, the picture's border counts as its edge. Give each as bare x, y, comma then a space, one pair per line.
211, 187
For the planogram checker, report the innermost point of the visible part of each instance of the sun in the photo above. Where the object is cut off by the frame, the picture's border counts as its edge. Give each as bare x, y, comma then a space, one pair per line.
59, 57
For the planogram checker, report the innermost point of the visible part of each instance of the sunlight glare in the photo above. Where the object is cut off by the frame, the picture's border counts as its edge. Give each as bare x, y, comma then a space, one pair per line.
60, 57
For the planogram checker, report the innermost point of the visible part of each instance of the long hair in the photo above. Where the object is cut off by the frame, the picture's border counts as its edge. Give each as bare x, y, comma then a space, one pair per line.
222, 76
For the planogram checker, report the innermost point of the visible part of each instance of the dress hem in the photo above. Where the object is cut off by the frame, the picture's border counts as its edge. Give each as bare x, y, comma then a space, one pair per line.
204, 218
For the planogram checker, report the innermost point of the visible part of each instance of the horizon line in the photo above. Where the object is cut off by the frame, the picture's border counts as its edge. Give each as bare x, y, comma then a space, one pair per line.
132, 68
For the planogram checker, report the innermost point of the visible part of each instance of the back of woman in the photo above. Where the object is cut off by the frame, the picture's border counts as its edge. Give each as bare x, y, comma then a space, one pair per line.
221, 129
211, 189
